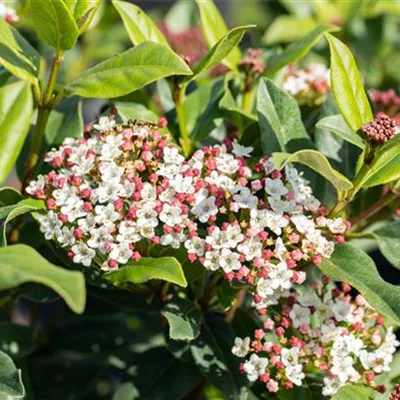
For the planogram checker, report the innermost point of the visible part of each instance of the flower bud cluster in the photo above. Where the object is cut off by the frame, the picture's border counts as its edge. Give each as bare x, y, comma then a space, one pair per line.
124, 189
323, 330
381, 129
8, 13
252, 62
396, 394
309, 86
387, 102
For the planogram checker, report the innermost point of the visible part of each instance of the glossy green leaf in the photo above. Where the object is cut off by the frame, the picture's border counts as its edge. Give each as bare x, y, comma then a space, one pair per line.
388, 238
127, 111
347, 85
21, 264
83, 11
8, 213
297, 50
17, 55
16, 108
184, 319
220, 50
129, 71
10, 196
214, 28
280, 120
287, 28
386, 165
318, 162
54, 23
351, 265
165, 268
10, 378
139, 26
354, 392
337, 125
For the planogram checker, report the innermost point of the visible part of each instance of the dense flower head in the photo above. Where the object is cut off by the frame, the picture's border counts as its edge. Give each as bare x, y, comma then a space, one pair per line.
124, 189
319, 329
8, 13
309, 86
380, 130
252, 62
388, 102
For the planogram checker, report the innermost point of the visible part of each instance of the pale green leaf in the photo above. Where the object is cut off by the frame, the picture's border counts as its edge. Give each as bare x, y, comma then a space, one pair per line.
128, 71
21, 264
10, 378
16, 108
164, 268
354, 392
347, 85
139, 26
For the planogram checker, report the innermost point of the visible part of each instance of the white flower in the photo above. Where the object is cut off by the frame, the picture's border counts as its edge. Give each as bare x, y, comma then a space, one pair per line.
241, 347
251, 248
104, 124
255, 367
300, 316
212, 260
50, 224
303, 224
172, 156
336, 226
105, 214
205, 209
66, 236
227, 163
331, 386
121, 252
275, 187
171, 215
83, 254
343, 368
245, 199
229, 261
275, 222
195, 245
295, 374
341, 310
241, 151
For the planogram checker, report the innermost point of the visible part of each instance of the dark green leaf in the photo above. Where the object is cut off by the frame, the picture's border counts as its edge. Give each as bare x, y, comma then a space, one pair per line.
54, 23
139, 26
319, 163
10, 196
353, 266
10, 378
337, 125
347, 85
280, 120
214, 28
165, 268
184, 319
21, 264
16, 340
388, 238
16, 107
129, 71
297, 50
17, 55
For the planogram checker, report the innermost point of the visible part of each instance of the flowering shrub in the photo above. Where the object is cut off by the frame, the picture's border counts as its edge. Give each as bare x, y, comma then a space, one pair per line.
221, 228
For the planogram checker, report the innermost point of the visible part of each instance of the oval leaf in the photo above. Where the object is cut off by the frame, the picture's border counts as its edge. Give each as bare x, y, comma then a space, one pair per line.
388, 238
351, 265
21, 264
54, 23
139, 26
337, 125
17, 55
16, 108
319, 163
214, 28
280, 120
165, 268
10, 378
129, 71
347, 85
354, 392
297, 50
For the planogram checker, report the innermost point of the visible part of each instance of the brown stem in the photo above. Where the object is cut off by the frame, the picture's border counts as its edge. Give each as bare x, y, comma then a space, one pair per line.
376, 207
240, 298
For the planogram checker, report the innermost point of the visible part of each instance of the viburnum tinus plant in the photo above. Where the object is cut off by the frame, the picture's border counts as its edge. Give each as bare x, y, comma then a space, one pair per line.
206, 231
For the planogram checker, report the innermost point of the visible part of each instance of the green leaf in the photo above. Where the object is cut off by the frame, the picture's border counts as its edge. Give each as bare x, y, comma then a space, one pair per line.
9, 196
127, 111
165, 268
351, 265
386, 164
220, 50
21, 264
214, 28
129, 71
286, 28
353, 392
337, 125
297, 50
139, 26
16, 108
16, 340
181, 16
84, 12
184, 319
10, 212
280, 120
388, 238
17, 55
127, 391
319, 163
54, 23
212, 353
347, 85
10, 378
